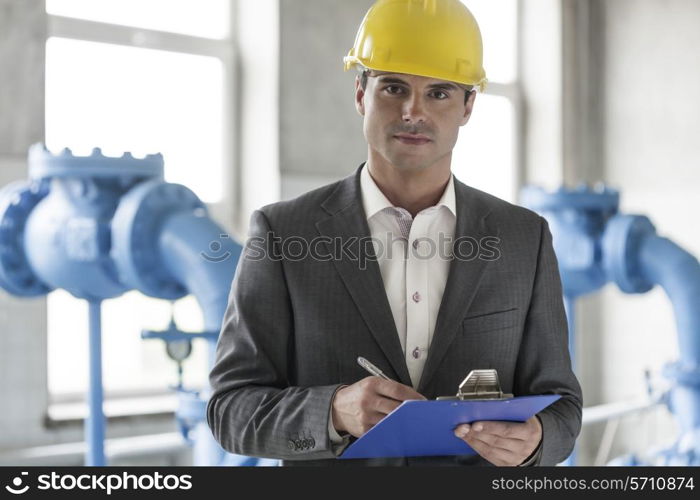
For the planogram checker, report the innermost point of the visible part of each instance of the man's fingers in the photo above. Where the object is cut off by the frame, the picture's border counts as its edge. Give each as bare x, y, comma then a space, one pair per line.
374, 417
508, 444
370, 420
495, 455
396, 391
384, 405
512, 430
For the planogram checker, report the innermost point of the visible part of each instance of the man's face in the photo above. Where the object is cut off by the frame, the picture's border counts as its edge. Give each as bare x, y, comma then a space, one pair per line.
412, 122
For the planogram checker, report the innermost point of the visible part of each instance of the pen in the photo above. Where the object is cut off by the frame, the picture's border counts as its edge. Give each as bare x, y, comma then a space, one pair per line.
371, 368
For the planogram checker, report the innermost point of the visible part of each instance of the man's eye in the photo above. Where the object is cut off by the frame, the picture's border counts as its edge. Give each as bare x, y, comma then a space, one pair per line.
440, 95
393, 89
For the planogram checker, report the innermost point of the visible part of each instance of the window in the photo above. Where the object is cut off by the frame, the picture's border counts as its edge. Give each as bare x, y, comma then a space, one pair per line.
145, 77
138, 100
486, 154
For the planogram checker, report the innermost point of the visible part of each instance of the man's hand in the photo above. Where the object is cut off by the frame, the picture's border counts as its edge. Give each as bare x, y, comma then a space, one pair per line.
502, 443
358, 407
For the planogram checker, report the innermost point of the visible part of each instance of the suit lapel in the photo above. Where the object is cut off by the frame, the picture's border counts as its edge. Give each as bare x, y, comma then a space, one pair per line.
462, 281
348, 223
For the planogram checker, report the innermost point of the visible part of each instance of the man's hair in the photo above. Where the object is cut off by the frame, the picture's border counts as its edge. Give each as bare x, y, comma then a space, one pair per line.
365, 75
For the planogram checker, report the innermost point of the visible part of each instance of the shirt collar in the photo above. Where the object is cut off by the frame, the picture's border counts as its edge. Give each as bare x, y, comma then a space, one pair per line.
374, 200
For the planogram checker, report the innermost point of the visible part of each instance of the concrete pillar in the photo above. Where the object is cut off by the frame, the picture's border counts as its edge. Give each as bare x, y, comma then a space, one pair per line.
23, 385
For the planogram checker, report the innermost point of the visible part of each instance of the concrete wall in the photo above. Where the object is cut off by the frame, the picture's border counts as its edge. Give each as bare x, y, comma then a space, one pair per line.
23, 322
320, 131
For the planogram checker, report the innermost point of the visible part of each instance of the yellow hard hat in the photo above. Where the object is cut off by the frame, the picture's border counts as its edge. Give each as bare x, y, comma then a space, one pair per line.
433, 38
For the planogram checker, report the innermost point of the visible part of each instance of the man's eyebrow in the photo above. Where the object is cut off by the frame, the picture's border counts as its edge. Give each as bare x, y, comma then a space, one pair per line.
441, 86
389, 79
444, 86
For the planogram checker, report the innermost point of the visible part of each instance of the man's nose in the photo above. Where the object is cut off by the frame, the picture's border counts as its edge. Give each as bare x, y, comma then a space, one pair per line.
414, 109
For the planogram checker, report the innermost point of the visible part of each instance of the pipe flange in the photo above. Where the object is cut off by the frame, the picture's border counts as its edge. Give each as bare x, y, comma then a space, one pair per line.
17, 200
136, 230
45, 165
621, 241
599, 199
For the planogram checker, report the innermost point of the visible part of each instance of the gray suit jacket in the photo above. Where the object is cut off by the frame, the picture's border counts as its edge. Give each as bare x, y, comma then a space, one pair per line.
294, 327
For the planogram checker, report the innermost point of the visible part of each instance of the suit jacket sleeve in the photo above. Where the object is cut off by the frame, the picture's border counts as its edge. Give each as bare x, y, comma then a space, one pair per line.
544, 363
254, 409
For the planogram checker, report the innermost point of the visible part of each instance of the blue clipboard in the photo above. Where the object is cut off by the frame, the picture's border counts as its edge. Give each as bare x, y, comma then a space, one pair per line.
426, 428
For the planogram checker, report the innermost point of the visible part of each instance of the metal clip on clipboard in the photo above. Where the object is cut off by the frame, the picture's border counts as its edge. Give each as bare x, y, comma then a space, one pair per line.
479, 385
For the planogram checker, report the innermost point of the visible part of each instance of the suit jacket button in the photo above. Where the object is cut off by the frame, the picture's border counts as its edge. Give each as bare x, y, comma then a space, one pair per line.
312, 442
290, 444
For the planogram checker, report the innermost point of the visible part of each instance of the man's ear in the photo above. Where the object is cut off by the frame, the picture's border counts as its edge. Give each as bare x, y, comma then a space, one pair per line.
359, 96
468, 108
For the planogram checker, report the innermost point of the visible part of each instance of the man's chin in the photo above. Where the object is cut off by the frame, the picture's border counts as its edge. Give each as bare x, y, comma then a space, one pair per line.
410, 163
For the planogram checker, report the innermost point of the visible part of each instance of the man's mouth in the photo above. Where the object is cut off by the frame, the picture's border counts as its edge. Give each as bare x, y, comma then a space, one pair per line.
413, 140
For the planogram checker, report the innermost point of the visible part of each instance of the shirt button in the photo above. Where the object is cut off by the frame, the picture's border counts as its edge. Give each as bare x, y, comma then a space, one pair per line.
416, 297
416, 353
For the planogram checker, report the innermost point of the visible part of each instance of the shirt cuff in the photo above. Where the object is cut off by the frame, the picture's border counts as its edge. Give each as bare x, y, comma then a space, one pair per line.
535, 456
332, 433
338, 441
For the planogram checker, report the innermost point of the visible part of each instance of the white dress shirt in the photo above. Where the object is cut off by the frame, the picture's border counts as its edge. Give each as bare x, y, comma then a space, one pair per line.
413, 267
414, 259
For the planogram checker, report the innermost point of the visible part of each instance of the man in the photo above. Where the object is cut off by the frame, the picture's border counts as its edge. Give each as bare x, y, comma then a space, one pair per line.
452, 279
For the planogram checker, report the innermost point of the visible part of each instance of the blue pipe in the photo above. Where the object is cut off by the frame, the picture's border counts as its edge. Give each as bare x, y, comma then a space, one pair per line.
185, 243
99, 226
595, 245
95, 428
664, 263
